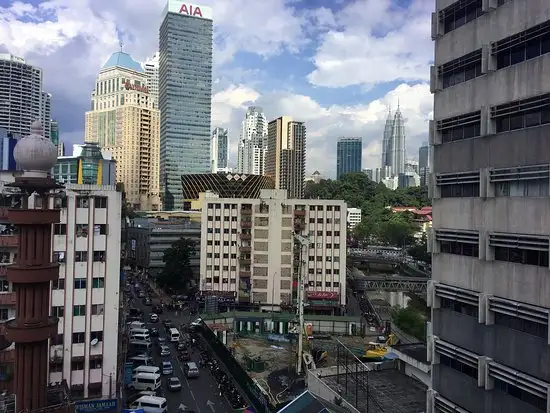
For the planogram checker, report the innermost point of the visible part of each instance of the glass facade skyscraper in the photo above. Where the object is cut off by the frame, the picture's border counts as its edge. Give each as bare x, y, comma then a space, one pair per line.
349, 154
185, 94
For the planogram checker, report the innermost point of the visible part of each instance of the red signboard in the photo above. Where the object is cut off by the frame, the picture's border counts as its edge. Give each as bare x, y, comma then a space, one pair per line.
130, 86
322, 295
225, 294
191, 10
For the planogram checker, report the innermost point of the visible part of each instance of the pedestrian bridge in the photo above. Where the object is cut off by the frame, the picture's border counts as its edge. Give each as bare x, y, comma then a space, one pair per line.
390, 283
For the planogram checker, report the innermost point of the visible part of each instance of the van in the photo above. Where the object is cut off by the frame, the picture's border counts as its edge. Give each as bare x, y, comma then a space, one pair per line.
141, 345
191, 370
147, 369
139, 331
141, 360
174, 335
136, 324
150, 404
145, 381
140, 337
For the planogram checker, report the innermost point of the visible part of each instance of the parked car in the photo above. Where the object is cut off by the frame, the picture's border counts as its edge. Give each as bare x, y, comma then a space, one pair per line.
154, 332
167, 368
181, 346
191, 370
174, 384
164, 351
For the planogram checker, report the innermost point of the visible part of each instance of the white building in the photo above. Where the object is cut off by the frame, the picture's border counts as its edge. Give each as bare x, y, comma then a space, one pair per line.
151, 67
218, 150
354, 217
86, 243
251, 247
253, 142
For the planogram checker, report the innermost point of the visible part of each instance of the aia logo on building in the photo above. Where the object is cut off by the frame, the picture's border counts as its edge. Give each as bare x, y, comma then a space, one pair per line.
191, 10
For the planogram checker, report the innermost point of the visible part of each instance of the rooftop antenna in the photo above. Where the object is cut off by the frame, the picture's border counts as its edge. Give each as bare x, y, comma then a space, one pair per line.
397, 102
121, 44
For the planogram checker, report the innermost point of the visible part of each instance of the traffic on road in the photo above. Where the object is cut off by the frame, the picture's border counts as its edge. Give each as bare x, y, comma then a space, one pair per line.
172, 370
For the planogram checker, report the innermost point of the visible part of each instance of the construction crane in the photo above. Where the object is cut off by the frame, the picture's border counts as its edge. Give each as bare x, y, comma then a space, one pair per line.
304, 243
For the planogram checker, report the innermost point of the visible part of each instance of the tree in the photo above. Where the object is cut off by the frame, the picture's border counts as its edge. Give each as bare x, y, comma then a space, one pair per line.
396, 231
410, 321
177, 273
419, 251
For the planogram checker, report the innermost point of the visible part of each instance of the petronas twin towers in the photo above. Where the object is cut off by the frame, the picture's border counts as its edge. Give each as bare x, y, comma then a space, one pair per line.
393, 145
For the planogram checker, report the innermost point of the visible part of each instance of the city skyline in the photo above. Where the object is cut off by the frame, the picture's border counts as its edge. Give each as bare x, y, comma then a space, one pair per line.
322, 97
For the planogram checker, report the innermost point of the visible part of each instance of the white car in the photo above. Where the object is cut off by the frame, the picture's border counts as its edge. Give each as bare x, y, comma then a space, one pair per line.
153, 318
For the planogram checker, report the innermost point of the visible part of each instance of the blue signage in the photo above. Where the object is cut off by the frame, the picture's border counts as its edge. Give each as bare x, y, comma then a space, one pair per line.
96, 406
128, 372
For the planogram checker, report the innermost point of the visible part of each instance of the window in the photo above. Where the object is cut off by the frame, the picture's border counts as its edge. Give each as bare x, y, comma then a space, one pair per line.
518, 316
59, 257
79, 310
99, 256
57, 340
82, 202
462, 308
97, 309
81, 256
4, 314
457, 358
460, 13
79, 283
96, 363
4, 286
460, 127
522, 181
78, 338
81, 230
98, 282
58, 311
459, 185
458, 242
60, 229
100, 229
96, 335
77, 365
58, 284
460, 70
520, 249
526, 45
100, 202
522, 114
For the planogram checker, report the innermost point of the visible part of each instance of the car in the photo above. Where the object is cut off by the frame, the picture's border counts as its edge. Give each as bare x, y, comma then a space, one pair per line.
167, 324
181, 346
154, 332
141, 294
161, 340
164, 351
184, 355
174, 384
153, 318
167, 368
191, 370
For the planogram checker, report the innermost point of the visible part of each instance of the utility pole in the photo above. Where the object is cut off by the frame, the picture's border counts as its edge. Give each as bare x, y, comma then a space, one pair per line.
301, 280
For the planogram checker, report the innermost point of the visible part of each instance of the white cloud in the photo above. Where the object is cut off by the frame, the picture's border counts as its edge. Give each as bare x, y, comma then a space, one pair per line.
374, 42
326, 124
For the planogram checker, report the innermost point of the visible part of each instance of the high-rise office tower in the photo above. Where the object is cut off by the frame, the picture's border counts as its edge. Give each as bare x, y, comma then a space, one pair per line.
123, 121
349, 155
152, 73
185, 96
393, 143
253, 143
218, 148
489, 343
54, 132
424, 163
21, 97
46, 114
285, 161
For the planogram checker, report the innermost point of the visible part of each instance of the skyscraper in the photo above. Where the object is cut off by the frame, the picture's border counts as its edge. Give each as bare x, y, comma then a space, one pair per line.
349, 155
123, 121
218, 148
152, 73
488, 340
253, 142
54, 132
46, 114
285, 161
185, 96
393, 143
424, 163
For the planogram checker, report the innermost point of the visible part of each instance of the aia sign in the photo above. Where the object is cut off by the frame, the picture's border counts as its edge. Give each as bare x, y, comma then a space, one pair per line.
191, 10
142, 89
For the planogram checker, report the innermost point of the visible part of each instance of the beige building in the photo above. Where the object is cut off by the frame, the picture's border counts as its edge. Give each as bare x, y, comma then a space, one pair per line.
286, 155
257, 247
124, 120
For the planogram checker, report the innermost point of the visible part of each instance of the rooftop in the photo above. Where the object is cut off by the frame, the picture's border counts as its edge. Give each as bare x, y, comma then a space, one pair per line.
417, 351
307, 403
124, 61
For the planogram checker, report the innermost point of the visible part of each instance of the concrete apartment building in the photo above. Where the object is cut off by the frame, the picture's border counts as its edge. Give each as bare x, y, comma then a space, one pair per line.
252, 247
490, 297
285, 161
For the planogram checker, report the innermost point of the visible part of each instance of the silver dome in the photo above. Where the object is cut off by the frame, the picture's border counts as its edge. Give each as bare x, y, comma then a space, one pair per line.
35, 152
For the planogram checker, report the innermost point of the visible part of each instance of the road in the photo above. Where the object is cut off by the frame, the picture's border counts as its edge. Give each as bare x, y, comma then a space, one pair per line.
199, 394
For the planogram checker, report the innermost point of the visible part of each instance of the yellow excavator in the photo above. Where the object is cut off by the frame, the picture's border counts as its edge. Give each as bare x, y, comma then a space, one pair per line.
378, 351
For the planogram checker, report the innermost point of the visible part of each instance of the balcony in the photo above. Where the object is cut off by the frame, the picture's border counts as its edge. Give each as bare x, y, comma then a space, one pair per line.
245, 274
244, 236
245, 261
7, 298
9, 240
299, 213
246, 211
246, 224
245, 248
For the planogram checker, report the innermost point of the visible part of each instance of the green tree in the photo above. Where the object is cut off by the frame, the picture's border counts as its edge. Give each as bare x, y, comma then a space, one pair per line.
410, 321
419, 251
397, 231
177, 273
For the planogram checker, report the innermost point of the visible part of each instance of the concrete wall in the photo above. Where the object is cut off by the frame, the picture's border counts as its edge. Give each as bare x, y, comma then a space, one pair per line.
318, 387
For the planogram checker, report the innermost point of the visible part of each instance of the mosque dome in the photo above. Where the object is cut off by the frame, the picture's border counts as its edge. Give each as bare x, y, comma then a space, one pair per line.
35, 152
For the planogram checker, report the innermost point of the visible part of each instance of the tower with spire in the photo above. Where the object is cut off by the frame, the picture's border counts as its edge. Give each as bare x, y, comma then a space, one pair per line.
393, 143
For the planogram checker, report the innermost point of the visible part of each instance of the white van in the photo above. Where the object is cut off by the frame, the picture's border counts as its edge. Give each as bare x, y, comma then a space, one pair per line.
145, 381
139, 331
174, 335
140, 336
141, 345
150, 404
147, 369
136, 324
141, 360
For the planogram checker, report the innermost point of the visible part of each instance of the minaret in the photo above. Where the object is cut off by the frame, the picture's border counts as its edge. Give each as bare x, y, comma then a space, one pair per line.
398, 143
387, 146
33, 270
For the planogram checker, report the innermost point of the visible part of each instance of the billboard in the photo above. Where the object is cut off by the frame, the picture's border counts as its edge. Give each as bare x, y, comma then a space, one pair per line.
189, 9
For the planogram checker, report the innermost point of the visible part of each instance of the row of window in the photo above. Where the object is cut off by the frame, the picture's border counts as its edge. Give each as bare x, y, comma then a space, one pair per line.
79, 256
98, 202
265, 208
79, 283
82, 230
95, 363
78, 310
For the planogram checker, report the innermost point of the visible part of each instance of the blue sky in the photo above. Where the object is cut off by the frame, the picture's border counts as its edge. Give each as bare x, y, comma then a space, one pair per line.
335, 64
